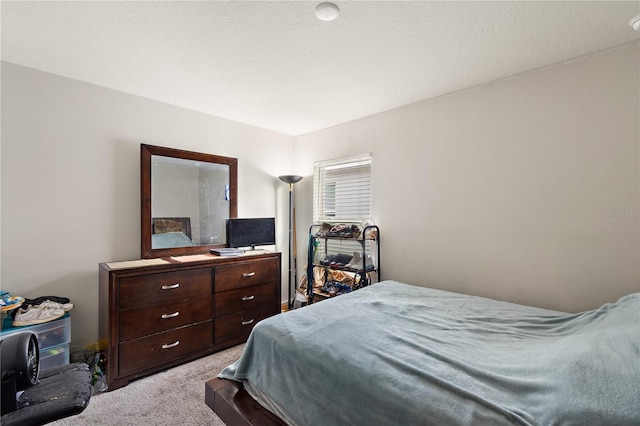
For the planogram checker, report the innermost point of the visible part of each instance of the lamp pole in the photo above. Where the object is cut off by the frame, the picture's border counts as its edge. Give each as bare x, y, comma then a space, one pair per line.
291, 179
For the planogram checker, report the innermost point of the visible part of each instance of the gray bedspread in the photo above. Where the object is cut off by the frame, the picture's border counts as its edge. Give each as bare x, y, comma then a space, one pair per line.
395, 354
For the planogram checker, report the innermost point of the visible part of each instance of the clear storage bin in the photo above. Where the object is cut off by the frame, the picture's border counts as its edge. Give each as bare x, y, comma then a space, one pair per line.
54, 357
49, 334
53, 339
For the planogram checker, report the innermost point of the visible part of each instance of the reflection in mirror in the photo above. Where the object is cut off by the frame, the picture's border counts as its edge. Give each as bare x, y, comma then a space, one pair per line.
190, 197
193, 190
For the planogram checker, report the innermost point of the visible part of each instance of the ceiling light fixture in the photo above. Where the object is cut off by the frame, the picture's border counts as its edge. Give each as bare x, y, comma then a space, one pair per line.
635, 23
327, 11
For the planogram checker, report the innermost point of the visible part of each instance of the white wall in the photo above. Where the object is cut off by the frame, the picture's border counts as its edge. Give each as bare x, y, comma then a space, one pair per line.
504, 191
71, 180
507, 190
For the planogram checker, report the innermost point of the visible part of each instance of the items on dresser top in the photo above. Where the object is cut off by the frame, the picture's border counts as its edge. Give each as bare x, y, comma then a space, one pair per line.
227, 251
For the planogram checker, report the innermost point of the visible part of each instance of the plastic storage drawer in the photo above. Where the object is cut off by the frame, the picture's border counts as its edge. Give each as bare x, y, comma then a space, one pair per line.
54, 357
49, 334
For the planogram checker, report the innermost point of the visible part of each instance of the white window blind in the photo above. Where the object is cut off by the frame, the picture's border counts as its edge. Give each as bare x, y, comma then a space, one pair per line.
342, 190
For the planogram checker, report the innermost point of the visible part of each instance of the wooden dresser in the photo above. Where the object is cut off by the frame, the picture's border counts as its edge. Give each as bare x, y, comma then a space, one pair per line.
158, 313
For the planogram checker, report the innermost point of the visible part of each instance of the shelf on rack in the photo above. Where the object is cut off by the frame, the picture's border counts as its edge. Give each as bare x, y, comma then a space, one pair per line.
336, 249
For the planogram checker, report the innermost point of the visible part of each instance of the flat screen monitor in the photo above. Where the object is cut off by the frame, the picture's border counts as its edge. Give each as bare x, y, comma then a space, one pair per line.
251, 232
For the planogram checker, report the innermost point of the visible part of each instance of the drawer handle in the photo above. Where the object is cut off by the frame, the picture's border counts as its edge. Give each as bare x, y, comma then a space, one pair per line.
248, 298
171, 345
248, 274
247, 322
175, 314
169, 287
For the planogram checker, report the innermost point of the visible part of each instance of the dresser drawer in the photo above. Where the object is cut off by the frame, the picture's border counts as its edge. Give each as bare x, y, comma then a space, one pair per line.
141, 354
149, 289
138, 322
245, 298
237, 327
244, 274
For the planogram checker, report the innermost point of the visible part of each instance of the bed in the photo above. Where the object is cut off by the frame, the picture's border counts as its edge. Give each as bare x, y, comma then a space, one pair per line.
393, 353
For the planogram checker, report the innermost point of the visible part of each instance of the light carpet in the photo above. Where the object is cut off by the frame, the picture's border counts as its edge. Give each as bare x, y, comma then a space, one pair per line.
172, 397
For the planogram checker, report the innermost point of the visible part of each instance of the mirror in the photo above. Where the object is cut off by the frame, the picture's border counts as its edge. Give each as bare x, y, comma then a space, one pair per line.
187, 198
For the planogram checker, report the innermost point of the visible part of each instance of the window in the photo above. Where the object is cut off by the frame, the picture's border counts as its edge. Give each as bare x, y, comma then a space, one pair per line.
342, 190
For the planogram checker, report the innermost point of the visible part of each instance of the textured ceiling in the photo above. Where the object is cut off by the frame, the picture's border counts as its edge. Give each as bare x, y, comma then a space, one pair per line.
275, 65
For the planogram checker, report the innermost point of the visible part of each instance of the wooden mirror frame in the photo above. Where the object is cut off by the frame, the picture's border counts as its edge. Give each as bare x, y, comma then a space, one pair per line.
146, 151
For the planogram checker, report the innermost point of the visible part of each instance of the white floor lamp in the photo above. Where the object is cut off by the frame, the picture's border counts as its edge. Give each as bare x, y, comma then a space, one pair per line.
291, 179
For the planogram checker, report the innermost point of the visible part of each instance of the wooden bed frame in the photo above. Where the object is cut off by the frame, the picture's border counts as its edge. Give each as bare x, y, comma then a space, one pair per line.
234, 405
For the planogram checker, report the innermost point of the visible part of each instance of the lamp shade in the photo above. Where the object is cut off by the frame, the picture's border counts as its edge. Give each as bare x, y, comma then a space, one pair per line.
290, 178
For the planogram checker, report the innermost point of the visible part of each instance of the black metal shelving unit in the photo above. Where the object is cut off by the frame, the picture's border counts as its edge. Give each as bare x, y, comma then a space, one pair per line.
321, 246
